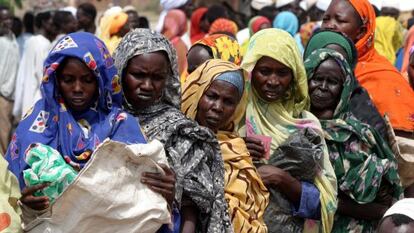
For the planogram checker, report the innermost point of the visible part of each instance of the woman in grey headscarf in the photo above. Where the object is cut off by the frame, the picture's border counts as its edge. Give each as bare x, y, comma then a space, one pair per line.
147, 65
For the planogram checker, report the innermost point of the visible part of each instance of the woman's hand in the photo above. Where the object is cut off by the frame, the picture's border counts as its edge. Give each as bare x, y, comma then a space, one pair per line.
271, 175
288, 185
255, 147
162, 184
36, 203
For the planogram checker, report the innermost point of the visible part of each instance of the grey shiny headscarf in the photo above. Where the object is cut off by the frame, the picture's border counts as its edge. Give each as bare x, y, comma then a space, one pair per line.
142, 41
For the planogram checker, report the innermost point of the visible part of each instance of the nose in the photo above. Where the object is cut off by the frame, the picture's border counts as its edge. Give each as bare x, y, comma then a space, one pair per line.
218, 106
324, 85
146, 85
78, 87
329, 24
273, 81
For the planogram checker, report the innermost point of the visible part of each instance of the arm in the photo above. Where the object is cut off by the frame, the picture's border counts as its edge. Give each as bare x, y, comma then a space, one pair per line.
189, 216
370, 211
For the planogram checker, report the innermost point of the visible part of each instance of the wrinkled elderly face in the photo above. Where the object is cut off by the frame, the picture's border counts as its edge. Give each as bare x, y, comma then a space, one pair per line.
217, 105
145, 79
271, 79
325, 87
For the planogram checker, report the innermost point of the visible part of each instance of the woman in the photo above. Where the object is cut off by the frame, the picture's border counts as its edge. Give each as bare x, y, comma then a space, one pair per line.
288, 22
214, 96
365, 166
217, 46
175, 26
388, 37
198, 28
373, 71
277, 106
361, 104
256, 24
80, 108
224, 26
113, 26
147, 64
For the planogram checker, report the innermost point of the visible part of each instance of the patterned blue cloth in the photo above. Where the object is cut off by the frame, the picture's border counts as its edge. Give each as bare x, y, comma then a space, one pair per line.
50, 122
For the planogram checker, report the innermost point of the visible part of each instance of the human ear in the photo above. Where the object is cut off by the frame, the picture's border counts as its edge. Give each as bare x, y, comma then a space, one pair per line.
361, 32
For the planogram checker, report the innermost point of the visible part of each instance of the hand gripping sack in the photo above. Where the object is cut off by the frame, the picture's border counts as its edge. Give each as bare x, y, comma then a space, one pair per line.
107, 195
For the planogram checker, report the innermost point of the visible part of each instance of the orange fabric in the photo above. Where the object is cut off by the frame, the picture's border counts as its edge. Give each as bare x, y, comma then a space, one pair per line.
223, 25
119, 20
386, 86
195, 30
409, 42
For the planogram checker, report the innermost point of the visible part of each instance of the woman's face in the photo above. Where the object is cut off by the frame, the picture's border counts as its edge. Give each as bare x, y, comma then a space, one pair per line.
77, 85
197, 56
217, 105
342, 17
145, 78
326, 85
271, 79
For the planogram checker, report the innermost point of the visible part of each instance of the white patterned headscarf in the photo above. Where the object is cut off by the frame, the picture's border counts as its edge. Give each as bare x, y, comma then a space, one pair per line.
143, 41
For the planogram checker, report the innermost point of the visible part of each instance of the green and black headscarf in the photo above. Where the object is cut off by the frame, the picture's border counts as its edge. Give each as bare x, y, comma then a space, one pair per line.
363, 162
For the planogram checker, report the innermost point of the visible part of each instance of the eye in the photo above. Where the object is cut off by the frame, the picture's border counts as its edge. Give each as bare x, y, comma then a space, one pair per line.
67, 78
89, 79
265, 71
283, 72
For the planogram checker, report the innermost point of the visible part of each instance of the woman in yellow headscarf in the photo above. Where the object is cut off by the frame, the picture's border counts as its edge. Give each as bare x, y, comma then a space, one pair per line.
277, 106
214, 96
388, 37
113, 26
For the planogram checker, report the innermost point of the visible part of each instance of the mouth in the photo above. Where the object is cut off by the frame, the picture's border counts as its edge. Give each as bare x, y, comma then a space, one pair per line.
78, 101
272, 94
213, 121
144, 96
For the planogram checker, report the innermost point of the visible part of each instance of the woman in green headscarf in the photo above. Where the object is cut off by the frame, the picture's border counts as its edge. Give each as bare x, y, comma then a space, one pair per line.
365, 166
277, 103
361, 104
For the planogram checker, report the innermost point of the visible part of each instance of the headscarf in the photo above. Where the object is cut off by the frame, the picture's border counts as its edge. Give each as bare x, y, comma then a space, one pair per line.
244, 190
192, 151
324, 38
117, 22
403, 207
282, 118
306, 31
175, 24
409, 42
378, 76
195, 30
50, 122
353, 142
223, 47
142, 41
111, 22
287, 21
361, 104
256, 22
388, 37
166, 6
223, 25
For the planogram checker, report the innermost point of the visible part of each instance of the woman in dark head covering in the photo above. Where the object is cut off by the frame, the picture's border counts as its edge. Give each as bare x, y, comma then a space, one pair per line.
147, 64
